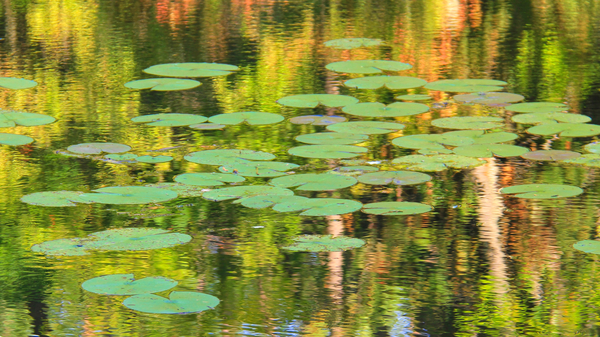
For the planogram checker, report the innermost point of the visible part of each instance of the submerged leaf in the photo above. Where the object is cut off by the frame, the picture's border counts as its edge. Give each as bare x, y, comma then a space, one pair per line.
327, 151
237, 192
98, 148
466, 85
249, 117
351, 43
170, 119
367, 66
396, 208
551, 155
489, 98
394, 177
14, 140
191, 69
16, 83
397, 109
390, 82
537, 107
314, 181
566, 129
54, 198
542, 191
319, 206
312, 100
317, 120
207, 179
126, 284
332, 138
468, 123
366, 128
128, 195
550, 117
179, 302
324, 243
436, 163
10, 119
136, 239
162, 84
490, 150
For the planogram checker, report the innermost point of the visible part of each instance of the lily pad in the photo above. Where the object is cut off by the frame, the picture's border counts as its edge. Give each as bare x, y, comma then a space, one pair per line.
319, 206
489, 98
588, 246
490, 150
332, 138
265, 169
354, 170
566, 129
542, 191
468, 123
394, 177
163, 84
366, 128
414, 97
63, 247
126, 284
551, 155
54, 198
537, 107
396, 208
324, 243
352, 43
170, 119
390, 82
208, 179
136, 239
207, 126
249, 117
479, 137
122, 157
313, 100
14, 140
191, 69
592, 147
436, 163
10, 119
154, 159
264, 201
431, 144
317, 120
179, 302
398, 109
98, 148
128, 195
592, 160
240, 192
16, 83
182, 190
367, 66
226, 156
466, 85
550, 117
314, 181
327, 151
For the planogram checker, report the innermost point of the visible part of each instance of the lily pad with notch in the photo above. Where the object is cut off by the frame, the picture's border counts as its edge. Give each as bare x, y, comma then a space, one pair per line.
327, 151
530, 107
16, 83
313, 100
14, 140
367, 66
366, 127
170, 119
63, 247
468, 123
241, 192
397, 109
191, 69
122, 195
9, 119
414, 97
264, 169
394, 177
163, 84
390, 82
314, 181
319, 206
489, 98
551, 155
550, 117
332, 138
154, 159
317, 119
436, 163
98, 148
431, 143
566, 129
54, 198
126, 284
226, 156
466, 85
324, 243
179, 302
136, 239
352, 43
208, 179
542, 191
249, 117
490, 150
396, 208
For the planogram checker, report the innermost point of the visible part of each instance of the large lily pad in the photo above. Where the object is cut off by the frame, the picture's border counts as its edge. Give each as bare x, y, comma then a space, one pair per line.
542, 191
319, 206
226, 156
566, 129
249, 117
208, 179
551, 155
240, 192
182, 190
136, 239
352, 43
16, 83
10, 119
14, 140
468, 123
324, 243
435, 163
313, 100
390, 82
314, 181
550, 117
332, 138
327, 151
162, 84
265, 169
479, 137
367, 66
63, 247
179, 302
128, 195
490, 150
537, 107
98, 148
397, 109
191, 69
170, 119
366, 128
317, 120
54, 198
592, 160
414, 97
588, 246
396, 208
489, 98
431, 144
154, 159
466, 85
126, 284
394, 177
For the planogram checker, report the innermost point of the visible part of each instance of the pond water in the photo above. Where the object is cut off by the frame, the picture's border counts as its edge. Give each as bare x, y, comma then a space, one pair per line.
479, 264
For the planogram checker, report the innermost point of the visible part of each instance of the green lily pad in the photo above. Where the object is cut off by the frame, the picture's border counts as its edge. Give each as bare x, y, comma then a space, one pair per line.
63, 247
468, 123
16, 83
163, 84
226, 156
398, 109
249, 117
264, 201
550, 117
126, 284
352, 43
489, 98
390, 82
9, 119
98, 148
537, 107
414, 97
314, 181
542, 191
317, 120
324, 243
327, 151
551, 155
14, 140
479, 137
128, 195
396, 208
366, 128
319, 206
588, 246
431, 144
240, 192
182, 190
267, 169
136, 239
154, 159
566, 129
191, 69
170, 119
179, 302
354, 170
466, 85
367, 66
592, 147
436, 163
312, 100
54, 198
394, 177
121, 157
207, 126
208, 179
490, 150
332, 138
592, 160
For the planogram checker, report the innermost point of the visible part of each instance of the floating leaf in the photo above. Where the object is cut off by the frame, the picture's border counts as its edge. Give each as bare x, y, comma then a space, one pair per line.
468, 123
436, 163
332, 138
351, 43
312, 100
588, 246
207, 126
489, 98
479, 137
466, 85
170, 119
592, 160
428, 144
390, 82
266, 169
394, 177
324, 243
191, 69
16, 83
490, 150
98, 148
162, 84
319, 206
550, 117
317, 120
154, 159
264, 201
136, 239
396, 208
237, 192
128, 195
226, 156
63, 247
126, 284
121, 157
366, 128
208, 179
54, 198
542, 191
592, 147
354, 170
179, 302
314, 181
327, 151
551, 155
367, 66
397, 109
537, 107
415, 97
250, 117
182, 190
14, 140
566, 129
10, 119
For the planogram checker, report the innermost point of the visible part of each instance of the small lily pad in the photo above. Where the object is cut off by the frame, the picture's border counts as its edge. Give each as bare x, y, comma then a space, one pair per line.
367, 66
182, 190
396, 208
162, 84
240, 192
431, 144
550, 117
179, 302
122, 157
207, 126
592, 147
226, 156
126, 284
154, 159
136, 239
332, 138
98, 148
317, 120
208, 179
249, 117
592, 160
324, 243
314, 181
366, 128
327, 151
354, 170
468, 123
54, 198
63, 247
390, 82
588, 246
551, 155
191, 69
128, 195
14, 140
265, 169
466, 85
436, 163
566, 129
394, 177
170, 119
319, 206
264, 201
537, 107
542, 191
398, 109
414, 97
352, 43
489, 98
9, 119
490, 150
313, 100
479, 137
16, 83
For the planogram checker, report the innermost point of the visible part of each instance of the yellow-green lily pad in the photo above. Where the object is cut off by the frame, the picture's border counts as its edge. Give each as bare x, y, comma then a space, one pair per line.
14, 140
128, 195
240, 192
468, 123
591, 159
332, 138
208, 179
249, 117
126, 284
170, 119
327, 151
98, 148
10, 119
54, 198
367, 66
390, 82
319, 206
191, 69
207, 126
566, 129
263, 169
314, 181
226, 156
537, 107
324, 243
436, 163
414, 97
394, 177
313, 100
396, 208
588, 246
179, 302
551, 155
163, 84
63, 247
489, 98
16, 83
317, 120
550, 117
136, 239
352, 43
467, 85
397, 109
431, 143
490, 150
542, 191
366, 127
154, 159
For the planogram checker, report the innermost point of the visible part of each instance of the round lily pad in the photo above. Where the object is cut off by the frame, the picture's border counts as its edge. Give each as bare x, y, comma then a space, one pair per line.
396, 208
317, 120
266, 169
435, 163
332, 138
354, 170
479, 137
490, 150
128, 195
551, 155
207, 126
16, 83
170, 119
394, 177
179, 302
366, 128
489, 98
566, 129
537, 107
191, 69
264, 201
431, 144
312, 100
226, 156
468, 123
122, 157
163, 84
588, 246
352, 43
98, 148
182, 190
466, 85
154, 159
327, 151
592, 160
63, 247
592, 147
126, 284
324, 243
549, 117
397, 109
14, 140
208, 179
10, 119
367, 66
136, 239
319, 206
314, 181
238, 192
390, 82
54, 198
249, 117
542, 191
414, 97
